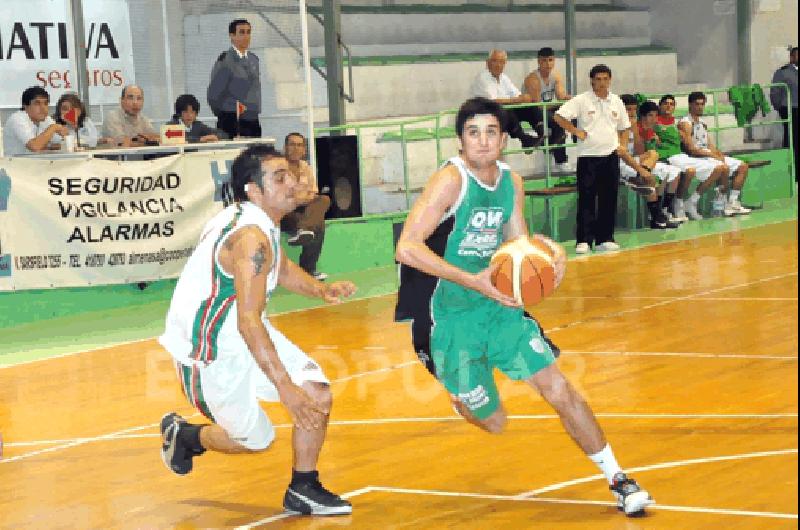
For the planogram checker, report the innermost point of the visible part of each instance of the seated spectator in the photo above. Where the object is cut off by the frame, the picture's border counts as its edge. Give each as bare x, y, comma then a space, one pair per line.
546, 84
707, 173
493, 84
86, 133
186, 109
31, 129
126, 126
306, 225
660, 173
647, 122
697, 143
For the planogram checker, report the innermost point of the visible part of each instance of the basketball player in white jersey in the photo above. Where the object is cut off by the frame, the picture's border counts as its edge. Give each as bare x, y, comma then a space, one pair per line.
546, 84
228, 355
697, 143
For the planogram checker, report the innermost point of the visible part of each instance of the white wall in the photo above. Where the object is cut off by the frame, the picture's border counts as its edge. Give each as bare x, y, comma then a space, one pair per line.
704, 35
773, 29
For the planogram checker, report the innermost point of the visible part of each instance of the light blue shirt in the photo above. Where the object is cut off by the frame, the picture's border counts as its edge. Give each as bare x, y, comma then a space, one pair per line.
19, 130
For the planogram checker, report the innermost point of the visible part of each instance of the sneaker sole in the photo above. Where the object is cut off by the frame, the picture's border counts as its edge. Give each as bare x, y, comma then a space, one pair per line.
342, 510
635, 503
313, 508
166, 455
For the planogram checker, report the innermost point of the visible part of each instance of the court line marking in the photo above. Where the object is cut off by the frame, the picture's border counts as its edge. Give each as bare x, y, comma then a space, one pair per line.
684, 354
552, 500
682, 298
579, 258
66, 444
436, 419
663, 465
715, 299
528, 498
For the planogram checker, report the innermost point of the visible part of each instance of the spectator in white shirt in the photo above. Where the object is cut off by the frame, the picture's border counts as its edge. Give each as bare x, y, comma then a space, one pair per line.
493, 84
86, 133
30, 130
602, 132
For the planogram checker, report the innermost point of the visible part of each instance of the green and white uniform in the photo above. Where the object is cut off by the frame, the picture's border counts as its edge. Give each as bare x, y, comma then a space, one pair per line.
459, 334
217, 371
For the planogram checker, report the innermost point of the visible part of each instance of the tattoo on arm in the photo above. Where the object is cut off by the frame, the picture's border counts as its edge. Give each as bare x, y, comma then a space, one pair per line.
259, 258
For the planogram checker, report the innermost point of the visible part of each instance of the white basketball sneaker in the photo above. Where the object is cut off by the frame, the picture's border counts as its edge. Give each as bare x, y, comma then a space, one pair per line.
608, 246
691, 211
631, 498
736, 208
582, 248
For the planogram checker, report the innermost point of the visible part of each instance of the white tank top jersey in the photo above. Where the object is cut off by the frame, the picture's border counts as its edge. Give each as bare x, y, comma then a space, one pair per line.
699, 131
201, 322
547, 91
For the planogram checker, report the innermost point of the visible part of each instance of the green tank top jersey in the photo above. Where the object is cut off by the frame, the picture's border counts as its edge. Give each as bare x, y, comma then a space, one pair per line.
670, 141
478, 219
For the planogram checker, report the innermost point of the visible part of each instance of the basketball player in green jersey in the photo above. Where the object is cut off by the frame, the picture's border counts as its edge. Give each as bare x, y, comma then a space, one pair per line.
462, 326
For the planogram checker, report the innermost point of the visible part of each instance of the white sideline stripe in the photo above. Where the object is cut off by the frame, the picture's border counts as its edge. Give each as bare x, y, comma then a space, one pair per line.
715, 299
376, 371
65, 444
551, 500
684, 354
557, 328
127, 342
664, 465
281, 516
389, 421
615, 314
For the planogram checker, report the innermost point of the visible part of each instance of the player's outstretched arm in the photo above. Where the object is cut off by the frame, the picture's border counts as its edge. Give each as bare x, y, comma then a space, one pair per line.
248, 254
437, 198
295, 279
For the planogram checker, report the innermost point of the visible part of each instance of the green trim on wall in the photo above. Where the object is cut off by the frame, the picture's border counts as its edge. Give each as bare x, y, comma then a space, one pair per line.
387, 60
433, 8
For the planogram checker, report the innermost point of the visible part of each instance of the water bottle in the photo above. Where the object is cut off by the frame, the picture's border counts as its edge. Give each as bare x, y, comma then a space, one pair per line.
718, 206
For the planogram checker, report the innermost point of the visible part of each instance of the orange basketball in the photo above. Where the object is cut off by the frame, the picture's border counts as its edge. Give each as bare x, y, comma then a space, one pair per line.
526, 268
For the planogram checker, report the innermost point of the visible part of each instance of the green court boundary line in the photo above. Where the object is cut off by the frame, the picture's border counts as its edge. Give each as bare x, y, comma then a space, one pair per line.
384, 282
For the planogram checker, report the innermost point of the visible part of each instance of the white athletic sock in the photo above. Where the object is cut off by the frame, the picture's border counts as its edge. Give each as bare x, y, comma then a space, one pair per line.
694, 198
734, 195
606, 462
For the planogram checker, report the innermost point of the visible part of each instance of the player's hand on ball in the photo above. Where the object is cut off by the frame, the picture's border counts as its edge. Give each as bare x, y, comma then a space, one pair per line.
483, 284
336, 291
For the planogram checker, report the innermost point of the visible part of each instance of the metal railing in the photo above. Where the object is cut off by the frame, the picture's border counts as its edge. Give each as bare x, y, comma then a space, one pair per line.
402, 126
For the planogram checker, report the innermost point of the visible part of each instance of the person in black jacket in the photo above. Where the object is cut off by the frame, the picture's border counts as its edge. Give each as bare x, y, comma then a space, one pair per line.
186, 109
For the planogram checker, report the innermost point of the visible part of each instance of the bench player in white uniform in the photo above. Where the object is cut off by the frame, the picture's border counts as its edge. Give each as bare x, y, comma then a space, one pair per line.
664, 176
706, 172
228, 355
696, 142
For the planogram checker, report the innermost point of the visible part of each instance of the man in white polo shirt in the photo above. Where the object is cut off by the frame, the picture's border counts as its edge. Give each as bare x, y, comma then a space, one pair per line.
602, 132
30, 130
493, 84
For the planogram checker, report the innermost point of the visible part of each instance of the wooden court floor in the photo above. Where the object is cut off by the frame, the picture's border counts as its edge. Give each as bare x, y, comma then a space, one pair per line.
687, 352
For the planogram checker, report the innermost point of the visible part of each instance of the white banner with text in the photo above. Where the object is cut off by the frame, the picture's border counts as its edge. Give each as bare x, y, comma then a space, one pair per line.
88, 222
36, 49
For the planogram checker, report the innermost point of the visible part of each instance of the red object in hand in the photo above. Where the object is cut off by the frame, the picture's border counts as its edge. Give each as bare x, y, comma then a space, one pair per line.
71, 117
240, 108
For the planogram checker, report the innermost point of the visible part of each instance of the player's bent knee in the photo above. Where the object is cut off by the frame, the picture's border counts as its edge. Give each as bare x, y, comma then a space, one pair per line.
260, 442
321, 393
